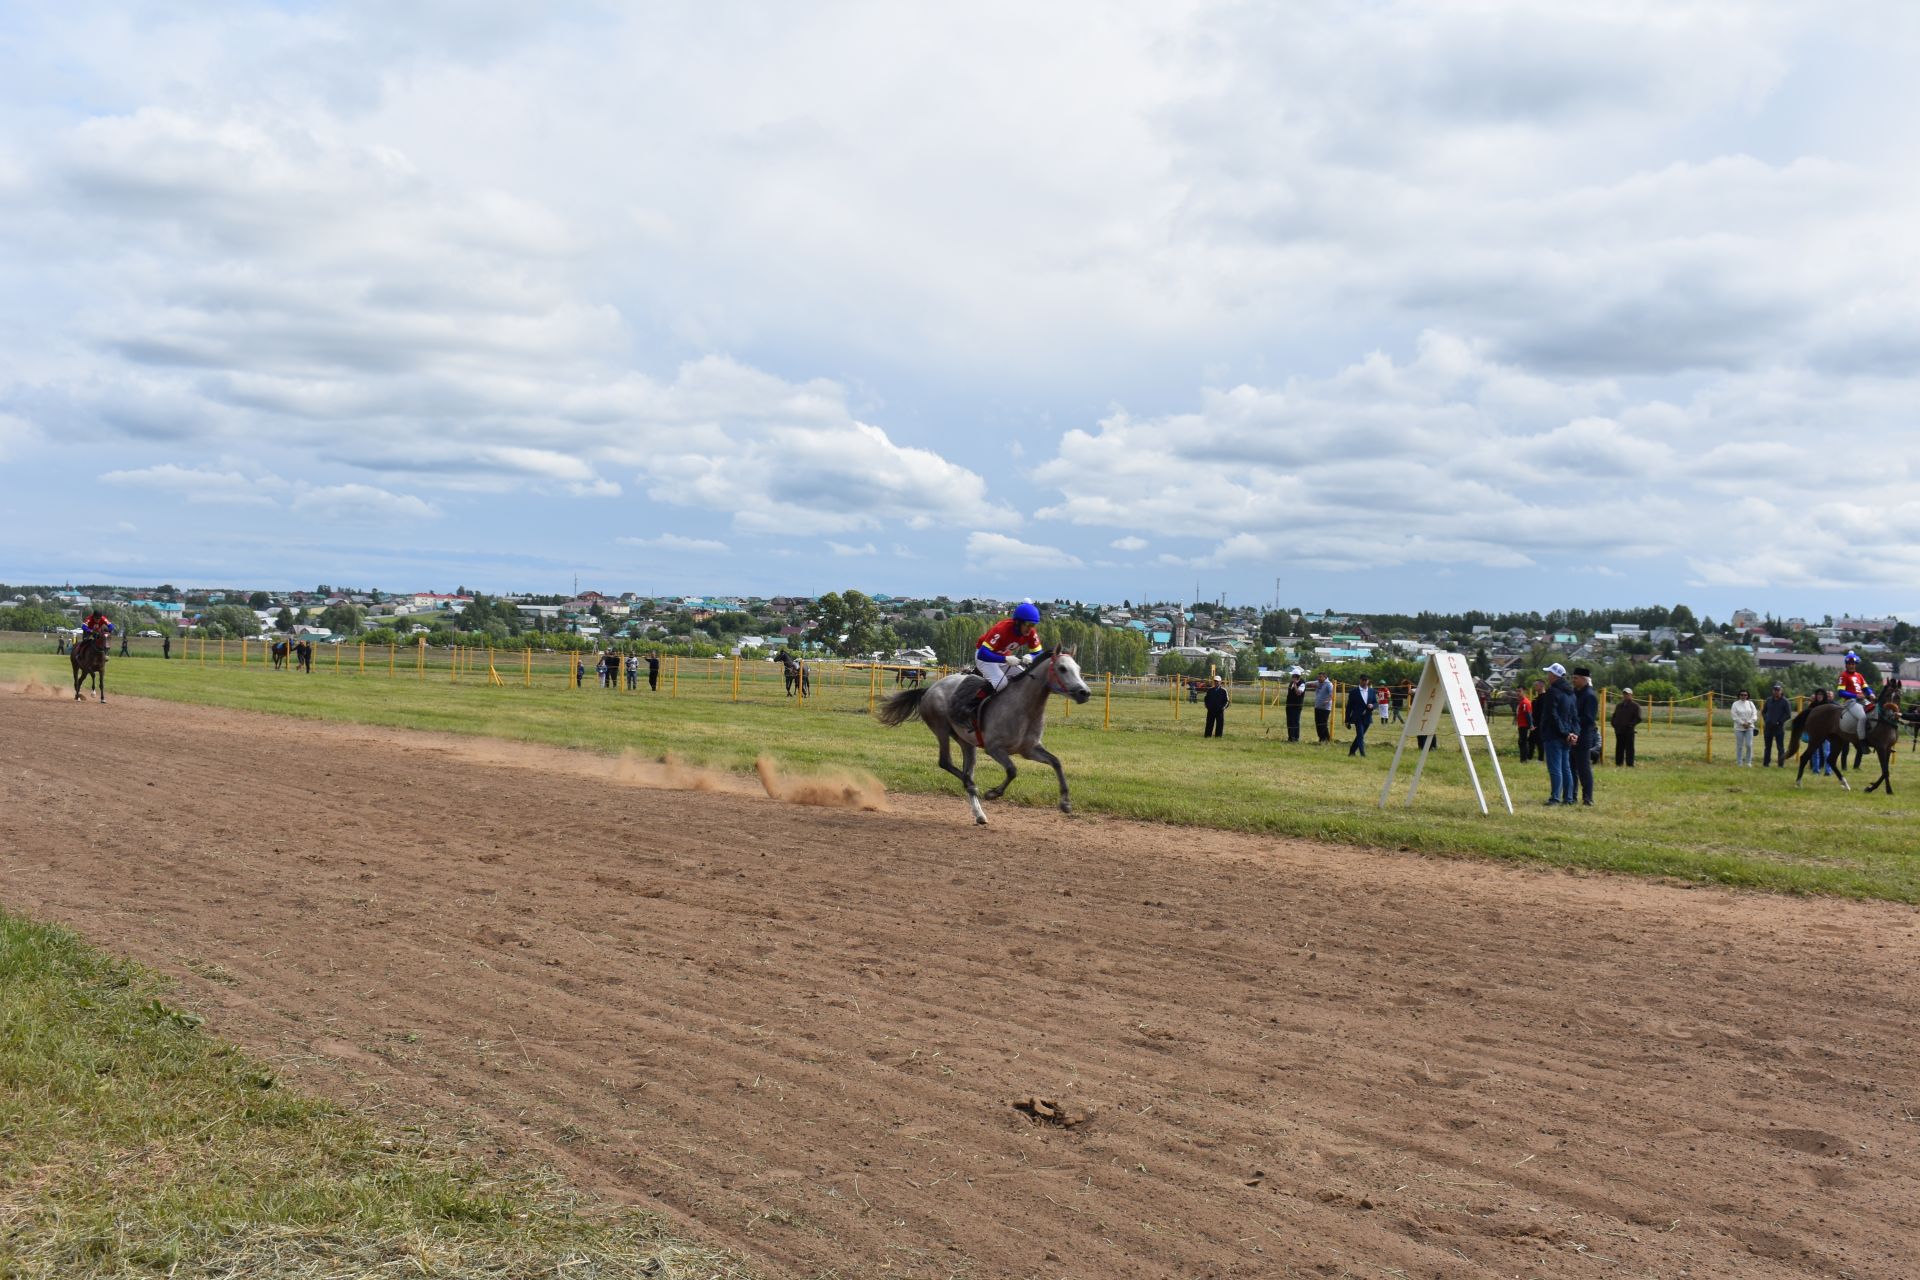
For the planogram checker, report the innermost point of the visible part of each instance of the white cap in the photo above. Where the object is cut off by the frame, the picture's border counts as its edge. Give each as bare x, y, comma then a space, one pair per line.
1555, 669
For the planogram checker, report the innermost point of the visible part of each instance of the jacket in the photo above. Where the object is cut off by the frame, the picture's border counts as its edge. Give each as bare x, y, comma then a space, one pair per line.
1627, 715
1777, 710
1587, 709
1556, 712
1216, 698
1745, 714
1323, 696
1359, 706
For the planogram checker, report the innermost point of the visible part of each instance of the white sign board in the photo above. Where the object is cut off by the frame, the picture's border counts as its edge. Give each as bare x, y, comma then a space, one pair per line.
1446, 685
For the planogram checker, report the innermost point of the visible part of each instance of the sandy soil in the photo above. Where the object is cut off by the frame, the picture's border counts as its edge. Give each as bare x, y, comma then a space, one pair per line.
802, 1031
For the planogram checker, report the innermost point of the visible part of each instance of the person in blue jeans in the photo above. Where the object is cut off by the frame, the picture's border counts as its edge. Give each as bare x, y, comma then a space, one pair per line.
1558, 716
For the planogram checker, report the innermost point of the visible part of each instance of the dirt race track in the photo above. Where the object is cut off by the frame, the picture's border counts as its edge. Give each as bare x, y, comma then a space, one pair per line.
801, 1031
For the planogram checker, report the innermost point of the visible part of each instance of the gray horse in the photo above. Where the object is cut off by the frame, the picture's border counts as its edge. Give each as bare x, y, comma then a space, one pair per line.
1010, 725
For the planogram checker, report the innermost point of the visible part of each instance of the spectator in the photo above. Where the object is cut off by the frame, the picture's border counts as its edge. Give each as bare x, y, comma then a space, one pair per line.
1626, 718
1217, 700
1775, 715
580, 673
633, 671
653, 672
1587, 708
1820, 760
1745, 716
613, 670
1323, 709
1296, 700
166, 646
123, 645
1360, 705
1539, 752
1555, 711
1523, 723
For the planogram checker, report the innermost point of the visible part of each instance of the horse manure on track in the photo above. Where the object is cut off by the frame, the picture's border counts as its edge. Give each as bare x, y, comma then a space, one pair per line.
1047, 1111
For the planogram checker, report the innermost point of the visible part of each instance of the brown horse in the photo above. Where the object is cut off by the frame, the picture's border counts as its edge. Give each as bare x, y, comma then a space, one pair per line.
1822, 723
89, 658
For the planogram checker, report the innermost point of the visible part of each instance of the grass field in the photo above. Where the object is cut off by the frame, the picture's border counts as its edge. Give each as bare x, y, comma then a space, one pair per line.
132, 1144
1675, 815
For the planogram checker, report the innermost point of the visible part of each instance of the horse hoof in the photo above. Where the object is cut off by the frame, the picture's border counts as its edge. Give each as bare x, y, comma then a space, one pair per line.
1066, 808
980, 821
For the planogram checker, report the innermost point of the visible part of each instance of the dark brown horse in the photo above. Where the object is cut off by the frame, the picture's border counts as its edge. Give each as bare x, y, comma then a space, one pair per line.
89, 658
1823, 722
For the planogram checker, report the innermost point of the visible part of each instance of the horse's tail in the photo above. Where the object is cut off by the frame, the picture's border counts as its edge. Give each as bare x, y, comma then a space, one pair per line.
900, 707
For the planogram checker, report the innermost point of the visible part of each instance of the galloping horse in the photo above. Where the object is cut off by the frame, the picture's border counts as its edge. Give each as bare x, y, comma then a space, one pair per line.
1824, 722
1010, 724
89, 658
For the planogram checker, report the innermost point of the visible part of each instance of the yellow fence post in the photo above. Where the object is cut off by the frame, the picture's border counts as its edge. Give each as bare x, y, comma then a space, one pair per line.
1709, 726
736, 677
243, 651
673, 684
1106, 720
363, 657
526, 665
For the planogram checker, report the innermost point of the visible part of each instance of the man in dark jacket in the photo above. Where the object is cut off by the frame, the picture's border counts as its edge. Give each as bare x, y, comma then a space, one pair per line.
1296, 700
1216, 701
653, 672
1626, 718
1774, 715
1586, 705
1360, 714
1559, 719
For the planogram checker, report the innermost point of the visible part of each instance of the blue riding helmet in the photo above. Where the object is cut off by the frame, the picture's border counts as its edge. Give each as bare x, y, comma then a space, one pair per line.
1027, 611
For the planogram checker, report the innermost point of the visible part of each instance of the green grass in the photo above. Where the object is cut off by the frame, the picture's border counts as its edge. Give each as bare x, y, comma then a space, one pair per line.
1676, 815
132, 1144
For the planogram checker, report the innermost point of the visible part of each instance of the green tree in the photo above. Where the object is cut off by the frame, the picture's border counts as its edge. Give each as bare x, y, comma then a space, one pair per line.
1246, 665
847, 622
229, 620
284, 621
340, 619
1172, 664
1720, 668
259, 600
1480, 664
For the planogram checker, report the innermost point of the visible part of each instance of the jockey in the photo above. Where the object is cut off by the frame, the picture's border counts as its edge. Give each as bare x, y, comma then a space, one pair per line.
1004, 640
1853, 687
1853, 683
99, 626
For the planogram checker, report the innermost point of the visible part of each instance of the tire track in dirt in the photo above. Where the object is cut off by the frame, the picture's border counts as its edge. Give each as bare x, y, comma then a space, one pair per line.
799, 1031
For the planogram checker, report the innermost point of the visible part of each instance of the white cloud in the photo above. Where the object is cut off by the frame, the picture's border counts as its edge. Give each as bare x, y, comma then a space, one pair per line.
1129, 543
843, 549
676, 542
361, 503
194, 484
998, 553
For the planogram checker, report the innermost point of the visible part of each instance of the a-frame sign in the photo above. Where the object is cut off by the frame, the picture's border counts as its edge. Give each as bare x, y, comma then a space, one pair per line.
1446, 684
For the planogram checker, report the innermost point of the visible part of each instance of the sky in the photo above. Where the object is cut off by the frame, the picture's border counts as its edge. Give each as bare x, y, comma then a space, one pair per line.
1383, 306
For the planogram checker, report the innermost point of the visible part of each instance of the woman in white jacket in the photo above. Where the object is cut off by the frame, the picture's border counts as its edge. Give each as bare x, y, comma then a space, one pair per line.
1745, 716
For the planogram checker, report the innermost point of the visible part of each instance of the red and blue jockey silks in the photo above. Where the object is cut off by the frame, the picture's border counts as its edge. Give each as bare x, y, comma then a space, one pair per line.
1002, 638
1853, 685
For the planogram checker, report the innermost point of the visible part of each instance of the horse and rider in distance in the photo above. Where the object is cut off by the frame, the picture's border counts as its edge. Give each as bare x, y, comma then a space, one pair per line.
89, 653
1853, 716
1000, 708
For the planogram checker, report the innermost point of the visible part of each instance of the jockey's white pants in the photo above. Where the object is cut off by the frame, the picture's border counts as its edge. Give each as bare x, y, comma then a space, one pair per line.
995, 673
